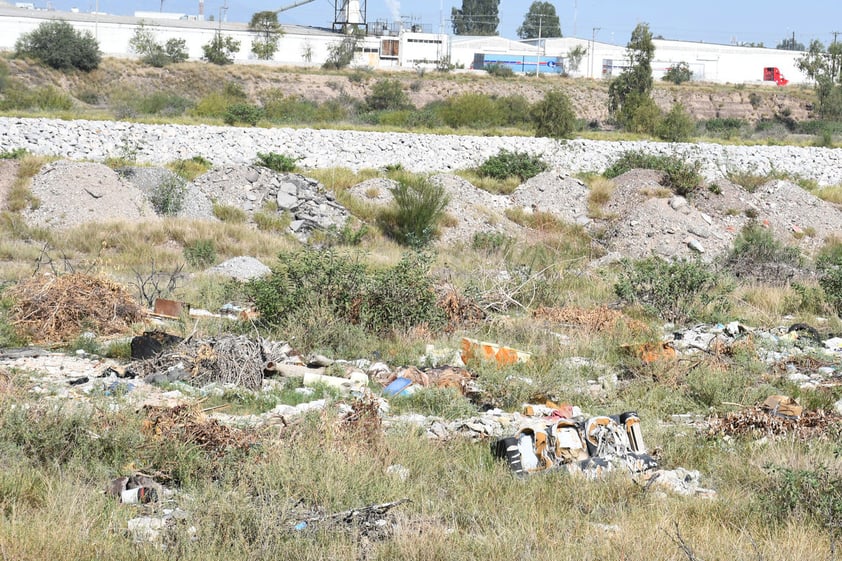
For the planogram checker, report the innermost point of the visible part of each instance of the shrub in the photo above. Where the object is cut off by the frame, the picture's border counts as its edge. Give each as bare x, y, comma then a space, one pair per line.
393, 298
288, 109
220, 50
500, 71
47, 98
553, 116
386, 95
243, 113
677, 125
639, 114
678, 74
416, 211
671, 290
829, 267
515, 110
470, 110
59, 45
200, 253
681, 177
758, 255
512, 164
725, 128
151, 52
280, 163
167, 197
340, 54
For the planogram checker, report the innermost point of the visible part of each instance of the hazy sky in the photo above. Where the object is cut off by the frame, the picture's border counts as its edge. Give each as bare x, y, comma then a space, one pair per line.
711, 21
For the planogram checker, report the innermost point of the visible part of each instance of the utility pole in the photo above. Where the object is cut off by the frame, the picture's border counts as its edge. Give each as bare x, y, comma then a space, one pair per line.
538, 57
593, 45
575, 13
835, 33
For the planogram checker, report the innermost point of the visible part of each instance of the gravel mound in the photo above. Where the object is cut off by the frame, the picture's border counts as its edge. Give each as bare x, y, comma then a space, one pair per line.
74, 193
791, 211
554, 192
240, 268
474, 210
377, 191
195, 203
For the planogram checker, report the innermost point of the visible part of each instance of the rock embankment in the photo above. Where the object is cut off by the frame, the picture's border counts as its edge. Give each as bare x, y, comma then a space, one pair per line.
156, 144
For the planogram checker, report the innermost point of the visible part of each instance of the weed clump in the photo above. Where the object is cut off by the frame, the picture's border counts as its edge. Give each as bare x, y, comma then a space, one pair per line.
167, 197
683, 178
674, 291
512, 164
758, 255
416, 212
280, 163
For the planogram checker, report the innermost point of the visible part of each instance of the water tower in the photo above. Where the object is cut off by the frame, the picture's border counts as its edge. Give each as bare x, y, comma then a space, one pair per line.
349, 15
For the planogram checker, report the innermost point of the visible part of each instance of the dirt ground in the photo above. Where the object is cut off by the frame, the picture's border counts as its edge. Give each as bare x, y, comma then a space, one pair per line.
8, 172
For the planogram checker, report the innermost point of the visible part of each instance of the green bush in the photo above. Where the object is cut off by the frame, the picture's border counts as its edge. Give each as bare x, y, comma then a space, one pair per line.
512, 164
515, 110
416, 211
678, 74
220, 50
59, 45
811, 495
758, 255
471, 110
155, 54
201, 253
340, 54
674, 291
553, 116
280, 163
677, 125
386, 94
281, 108
639, 114
167, 197
829, 267
399, 297
47, 98
500, 70
243, 113
681, 177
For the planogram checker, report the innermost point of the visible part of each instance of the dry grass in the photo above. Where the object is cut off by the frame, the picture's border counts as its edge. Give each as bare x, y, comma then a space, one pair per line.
490, 184
830, 194
600, 192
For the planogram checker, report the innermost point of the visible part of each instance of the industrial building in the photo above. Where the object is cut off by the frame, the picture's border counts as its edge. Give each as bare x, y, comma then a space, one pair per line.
393, 45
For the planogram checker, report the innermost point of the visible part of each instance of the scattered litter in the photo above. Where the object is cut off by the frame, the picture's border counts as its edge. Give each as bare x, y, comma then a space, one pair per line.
474, 349
679, 481
372, 521
50, 308
777, 416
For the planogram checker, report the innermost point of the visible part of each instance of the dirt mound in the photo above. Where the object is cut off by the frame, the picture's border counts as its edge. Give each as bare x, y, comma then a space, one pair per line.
51, 309
557, 193
474, 210
74, 193
796, 215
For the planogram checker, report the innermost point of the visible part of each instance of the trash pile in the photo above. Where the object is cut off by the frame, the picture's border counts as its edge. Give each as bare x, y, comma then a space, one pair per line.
778, 416
564, 438
59, 308
159, 515
375, 522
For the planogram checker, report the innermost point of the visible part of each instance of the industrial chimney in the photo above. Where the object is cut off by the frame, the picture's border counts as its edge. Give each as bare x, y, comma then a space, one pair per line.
201, 9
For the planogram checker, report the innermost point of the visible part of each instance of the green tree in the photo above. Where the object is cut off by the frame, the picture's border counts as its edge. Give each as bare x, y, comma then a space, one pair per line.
59, 45
574, 58
790, 44
632, 88
340, 55
221, 49
553, 116
540, 21
477, 17
386, 95
824, 67
679, 73
265, 25
150, 51
677, 125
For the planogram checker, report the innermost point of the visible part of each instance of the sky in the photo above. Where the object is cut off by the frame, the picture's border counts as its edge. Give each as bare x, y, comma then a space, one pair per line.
710, 21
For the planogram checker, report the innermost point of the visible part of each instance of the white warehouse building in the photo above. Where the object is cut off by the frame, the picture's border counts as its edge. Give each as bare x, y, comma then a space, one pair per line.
398, 48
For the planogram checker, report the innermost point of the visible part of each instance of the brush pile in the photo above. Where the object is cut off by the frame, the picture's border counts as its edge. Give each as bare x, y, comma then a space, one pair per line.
590, 319
51, 309
230, 359
759, 422
189, 425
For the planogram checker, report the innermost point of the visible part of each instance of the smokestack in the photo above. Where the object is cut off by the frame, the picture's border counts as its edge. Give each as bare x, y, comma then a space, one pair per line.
201, 9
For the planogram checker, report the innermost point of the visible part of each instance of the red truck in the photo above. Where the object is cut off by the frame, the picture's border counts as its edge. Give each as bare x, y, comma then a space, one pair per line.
772, 74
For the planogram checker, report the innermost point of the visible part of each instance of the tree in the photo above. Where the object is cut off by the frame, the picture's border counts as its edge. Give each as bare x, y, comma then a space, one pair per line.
340, 55
386, 95
265, 25
477, 17
574, 58
221, 49
540, 21
553, 116
144, 44
59, 45
629, 91
678, 74
824, 67
677, 125
790, 44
